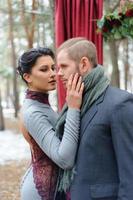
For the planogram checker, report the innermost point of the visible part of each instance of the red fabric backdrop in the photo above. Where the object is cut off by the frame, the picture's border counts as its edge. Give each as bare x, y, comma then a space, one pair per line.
74, 18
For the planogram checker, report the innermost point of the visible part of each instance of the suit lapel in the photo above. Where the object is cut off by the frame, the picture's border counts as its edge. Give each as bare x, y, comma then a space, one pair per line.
87, 118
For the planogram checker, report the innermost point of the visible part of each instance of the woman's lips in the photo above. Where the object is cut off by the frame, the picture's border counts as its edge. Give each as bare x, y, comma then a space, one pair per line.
53, 81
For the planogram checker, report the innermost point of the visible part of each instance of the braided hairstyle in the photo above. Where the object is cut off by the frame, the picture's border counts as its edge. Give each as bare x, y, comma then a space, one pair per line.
28, 59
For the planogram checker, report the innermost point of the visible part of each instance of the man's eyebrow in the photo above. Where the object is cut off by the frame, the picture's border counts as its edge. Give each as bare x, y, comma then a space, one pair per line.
63, 65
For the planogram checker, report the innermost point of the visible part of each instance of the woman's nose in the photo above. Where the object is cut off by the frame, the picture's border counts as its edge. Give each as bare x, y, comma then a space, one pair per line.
53, 72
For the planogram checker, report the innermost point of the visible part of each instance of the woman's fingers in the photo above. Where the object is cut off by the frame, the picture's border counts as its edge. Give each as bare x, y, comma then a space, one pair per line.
81, 89
75, 89
69, 84
78, 85
74, 82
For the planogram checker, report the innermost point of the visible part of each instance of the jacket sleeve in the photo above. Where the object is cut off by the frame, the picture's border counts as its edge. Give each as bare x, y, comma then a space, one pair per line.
122, 136
61, 152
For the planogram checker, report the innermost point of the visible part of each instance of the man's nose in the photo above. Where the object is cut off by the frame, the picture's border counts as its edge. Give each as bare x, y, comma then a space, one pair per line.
60, 72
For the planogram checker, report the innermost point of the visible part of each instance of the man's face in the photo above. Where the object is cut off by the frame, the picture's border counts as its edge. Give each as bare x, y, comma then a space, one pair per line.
66, 66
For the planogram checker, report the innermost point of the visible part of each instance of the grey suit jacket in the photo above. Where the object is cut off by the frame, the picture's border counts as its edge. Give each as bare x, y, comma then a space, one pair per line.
104, 166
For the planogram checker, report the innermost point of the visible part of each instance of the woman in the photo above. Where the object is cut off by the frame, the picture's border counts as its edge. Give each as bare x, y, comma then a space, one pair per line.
37, 69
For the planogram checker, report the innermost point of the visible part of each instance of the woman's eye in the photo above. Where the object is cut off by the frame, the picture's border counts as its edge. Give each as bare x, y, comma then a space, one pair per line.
53, 68
43, 70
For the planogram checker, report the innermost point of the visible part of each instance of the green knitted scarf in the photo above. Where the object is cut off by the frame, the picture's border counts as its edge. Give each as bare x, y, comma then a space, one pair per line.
95, 84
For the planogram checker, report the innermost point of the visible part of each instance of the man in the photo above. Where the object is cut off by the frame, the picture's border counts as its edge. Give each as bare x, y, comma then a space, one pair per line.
104, 163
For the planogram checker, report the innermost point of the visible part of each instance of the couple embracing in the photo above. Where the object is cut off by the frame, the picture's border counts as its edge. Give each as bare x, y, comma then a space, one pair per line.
86, 152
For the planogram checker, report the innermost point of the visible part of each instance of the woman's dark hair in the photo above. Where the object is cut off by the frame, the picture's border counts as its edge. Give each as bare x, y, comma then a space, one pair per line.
29, 58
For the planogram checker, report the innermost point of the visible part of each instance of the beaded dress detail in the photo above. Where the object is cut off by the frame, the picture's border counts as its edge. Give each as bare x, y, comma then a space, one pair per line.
45, 171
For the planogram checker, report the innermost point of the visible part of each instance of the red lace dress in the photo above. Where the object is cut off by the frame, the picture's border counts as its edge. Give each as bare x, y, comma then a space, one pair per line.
44, 172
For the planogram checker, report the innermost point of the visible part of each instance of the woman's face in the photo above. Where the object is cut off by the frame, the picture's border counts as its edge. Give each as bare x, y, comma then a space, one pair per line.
43, 75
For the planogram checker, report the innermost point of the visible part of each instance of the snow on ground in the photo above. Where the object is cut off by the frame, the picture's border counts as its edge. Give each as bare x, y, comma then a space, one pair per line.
13, 147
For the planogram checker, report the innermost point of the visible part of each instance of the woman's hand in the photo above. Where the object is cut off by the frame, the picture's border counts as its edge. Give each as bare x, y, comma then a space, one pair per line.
75, 88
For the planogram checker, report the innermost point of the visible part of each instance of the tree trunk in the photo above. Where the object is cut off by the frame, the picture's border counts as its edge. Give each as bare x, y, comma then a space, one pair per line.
2, 126
115, 78
29, 28
126, 64
7, 92
52, 20
13, 55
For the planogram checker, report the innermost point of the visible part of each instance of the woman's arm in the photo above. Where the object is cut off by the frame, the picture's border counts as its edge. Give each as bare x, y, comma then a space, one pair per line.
61, 152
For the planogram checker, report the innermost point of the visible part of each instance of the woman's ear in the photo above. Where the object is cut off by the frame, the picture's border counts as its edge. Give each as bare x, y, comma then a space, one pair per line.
27, 77
84, 65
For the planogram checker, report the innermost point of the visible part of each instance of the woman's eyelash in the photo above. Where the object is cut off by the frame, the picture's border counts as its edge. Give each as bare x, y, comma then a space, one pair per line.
53, 68
43, 70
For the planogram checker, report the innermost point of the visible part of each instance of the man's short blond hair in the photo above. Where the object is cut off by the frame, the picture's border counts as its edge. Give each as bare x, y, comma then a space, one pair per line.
79, 47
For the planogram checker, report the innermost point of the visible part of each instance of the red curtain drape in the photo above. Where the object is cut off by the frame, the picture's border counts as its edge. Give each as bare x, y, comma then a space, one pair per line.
74, 18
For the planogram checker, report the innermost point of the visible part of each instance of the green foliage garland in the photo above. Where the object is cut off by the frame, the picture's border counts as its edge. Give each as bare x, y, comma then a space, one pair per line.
117, 25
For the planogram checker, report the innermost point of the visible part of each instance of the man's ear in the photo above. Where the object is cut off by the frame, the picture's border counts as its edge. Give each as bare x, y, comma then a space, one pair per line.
27, 77
85, 65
